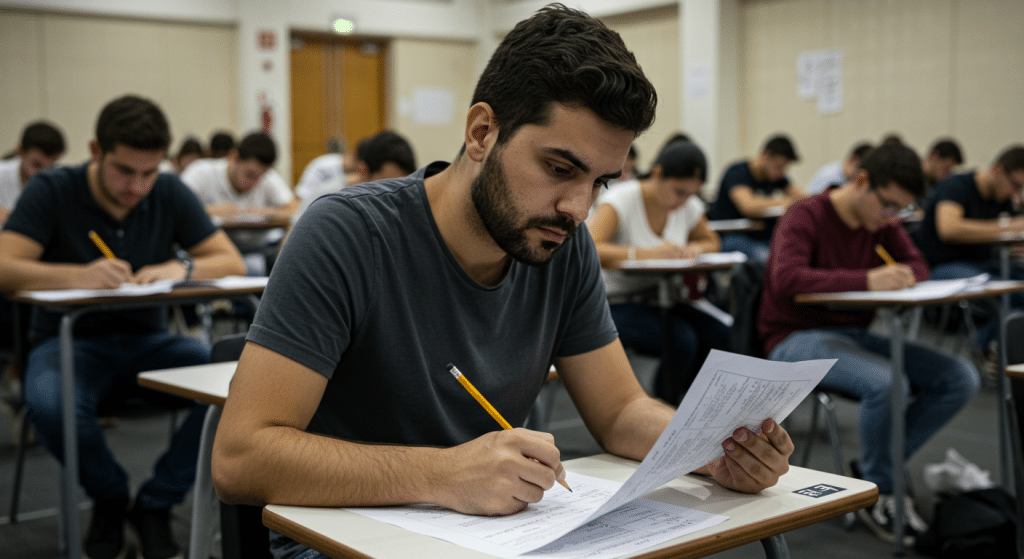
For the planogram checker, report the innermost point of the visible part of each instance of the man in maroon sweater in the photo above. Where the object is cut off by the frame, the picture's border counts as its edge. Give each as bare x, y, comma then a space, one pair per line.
826, 243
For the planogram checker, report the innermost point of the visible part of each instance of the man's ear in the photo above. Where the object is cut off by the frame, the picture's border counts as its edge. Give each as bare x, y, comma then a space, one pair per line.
481, 131
861, 180
94, 150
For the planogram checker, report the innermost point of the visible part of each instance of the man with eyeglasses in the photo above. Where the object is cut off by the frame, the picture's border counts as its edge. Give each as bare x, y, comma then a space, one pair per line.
968, 212
827, 243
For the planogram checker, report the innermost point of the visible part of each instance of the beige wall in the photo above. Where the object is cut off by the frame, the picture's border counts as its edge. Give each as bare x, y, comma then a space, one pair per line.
920, 68
65, 68
431, 63
653, 36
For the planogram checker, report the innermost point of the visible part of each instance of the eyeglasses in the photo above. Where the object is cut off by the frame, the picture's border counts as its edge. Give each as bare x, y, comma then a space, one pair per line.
894, 209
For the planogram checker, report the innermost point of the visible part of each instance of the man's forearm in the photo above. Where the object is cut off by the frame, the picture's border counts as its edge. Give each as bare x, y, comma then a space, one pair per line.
637, 428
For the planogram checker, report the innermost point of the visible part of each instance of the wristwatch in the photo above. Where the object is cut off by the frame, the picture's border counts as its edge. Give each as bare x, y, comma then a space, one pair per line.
188, 263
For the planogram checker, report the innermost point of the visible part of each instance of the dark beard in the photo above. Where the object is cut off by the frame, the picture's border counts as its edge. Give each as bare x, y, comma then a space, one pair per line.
500, 217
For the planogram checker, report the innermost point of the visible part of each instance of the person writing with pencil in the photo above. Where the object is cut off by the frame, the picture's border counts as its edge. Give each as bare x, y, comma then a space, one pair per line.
343, 394
850, 239
111, 221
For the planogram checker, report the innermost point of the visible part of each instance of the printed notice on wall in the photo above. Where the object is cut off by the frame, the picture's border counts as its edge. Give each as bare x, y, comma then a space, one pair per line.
820, 77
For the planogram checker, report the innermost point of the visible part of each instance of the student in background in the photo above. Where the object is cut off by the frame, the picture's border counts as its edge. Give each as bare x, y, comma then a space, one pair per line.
221, 143
968, 212
837, 172
825, 244
41, 145
190, 151
942, 158
385, 155
753, 189
142, 215
660, 216
483, 263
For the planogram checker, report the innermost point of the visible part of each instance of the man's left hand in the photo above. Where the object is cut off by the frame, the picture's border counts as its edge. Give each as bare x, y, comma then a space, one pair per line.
753, 461
172, 269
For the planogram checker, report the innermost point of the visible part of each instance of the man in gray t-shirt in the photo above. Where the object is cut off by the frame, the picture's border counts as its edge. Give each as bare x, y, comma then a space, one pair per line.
484, 263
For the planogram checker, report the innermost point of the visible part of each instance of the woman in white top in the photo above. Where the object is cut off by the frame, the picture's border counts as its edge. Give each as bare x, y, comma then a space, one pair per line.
660, 216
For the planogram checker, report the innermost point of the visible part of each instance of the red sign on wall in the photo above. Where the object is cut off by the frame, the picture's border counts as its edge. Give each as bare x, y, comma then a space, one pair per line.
266, 40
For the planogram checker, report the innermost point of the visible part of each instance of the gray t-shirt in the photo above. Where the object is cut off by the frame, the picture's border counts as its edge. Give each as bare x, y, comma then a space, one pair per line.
366, 292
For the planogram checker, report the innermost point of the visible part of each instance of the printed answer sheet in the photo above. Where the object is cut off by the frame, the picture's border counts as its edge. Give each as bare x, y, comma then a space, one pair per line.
730, 391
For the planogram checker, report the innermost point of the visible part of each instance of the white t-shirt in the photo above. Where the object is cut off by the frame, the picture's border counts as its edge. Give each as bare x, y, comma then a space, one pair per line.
208, 178
635, 230
10, 182
828, 175
323, 175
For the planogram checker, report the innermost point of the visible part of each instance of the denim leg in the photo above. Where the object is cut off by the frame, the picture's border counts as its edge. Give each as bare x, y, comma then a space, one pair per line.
640, 328
95, 373
175, 471
755, 249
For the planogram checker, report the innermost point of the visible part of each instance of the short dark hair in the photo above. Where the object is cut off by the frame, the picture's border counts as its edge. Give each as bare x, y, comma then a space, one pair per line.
892, 138
682, 160
860, 150
894, 163
386, 146
563, 56
134, 122
190, 146
43, 136
947, 148
782, 146
257, 146
1012, 159
221, 143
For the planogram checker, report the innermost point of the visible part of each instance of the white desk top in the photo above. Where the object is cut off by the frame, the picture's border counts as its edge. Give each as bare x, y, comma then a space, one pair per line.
340, 533
204, 383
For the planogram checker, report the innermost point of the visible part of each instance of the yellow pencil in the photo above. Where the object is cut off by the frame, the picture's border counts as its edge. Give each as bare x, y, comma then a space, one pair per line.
96, 240
487, 405
884, 254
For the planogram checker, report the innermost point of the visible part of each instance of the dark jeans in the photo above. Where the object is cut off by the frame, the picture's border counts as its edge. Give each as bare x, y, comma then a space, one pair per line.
102, 364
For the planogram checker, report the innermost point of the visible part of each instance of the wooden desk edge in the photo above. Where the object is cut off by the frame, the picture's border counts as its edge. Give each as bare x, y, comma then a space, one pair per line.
202, 397
839, 300
1015, 371
210, 292
694, 548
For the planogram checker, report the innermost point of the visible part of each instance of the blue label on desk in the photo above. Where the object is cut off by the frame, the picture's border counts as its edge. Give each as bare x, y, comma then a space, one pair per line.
820, 490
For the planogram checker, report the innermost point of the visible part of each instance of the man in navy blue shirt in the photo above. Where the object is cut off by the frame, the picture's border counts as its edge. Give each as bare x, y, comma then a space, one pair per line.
156, 230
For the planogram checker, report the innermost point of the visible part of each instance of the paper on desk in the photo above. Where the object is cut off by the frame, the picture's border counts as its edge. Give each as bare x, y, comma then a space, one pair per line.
707, 258
730, 391
126, 290
238, 282
930, 289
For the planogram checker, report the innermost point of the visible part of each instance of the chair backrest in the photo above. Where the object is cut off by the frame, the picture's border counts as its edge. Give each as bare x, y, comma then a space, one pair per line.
228, 348
746, 282
1014, 325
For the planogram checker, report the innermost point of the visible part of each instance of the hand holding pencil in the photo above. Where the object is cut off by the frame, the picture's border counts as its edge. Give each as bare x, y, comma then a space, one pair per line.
890, 276
106, 272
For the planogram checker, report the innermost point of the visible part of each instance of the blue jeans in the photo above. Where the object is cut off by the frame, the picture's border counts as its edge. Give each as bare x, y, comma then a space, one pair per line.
101, 363
755, 249
941, 384
694, 334
956, 270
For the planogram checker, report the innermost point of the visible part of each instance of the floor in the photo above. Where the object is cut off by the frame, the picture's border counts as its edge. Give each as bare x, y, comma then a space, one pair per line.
973, 433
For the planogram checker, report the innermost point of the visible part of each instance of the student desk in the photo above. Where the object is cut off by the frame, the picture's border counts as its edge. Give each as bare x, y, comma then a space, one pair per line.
253, 221
764, 516
740, 225
887, 308
666, 270
72, 310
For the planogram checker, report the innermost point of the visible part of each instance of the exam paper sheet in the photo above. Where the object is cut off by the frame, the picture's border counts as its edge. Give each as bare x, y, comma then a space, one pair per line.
730, 391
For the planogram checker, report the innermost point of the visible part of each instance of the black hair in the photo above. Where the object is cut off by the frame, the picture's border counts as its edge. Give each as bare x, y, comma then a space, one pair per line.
782, 146
133, 122
947, 148
258, 146
564, 56
860, 150
890, 163
190, 146
892, 138
1012, 159
386, 146
682, 160
221, 143
44, 137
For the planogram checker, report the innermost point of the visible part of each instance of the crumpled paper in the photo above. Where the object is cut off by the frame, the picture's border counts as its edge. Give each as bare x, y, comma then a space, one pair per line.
956, 474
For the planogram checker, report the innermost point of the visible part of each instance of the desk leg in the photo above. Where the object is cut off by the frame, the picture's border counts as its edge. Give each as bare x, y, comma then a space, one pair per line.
668, 384
70, 432
775, 547
898, 428
204, 498
1005, 463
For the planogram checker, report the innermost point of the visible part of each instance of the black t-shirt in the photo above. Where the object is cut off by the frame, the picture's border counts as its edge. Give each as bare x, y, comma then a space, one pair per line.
739, 174
58, 211
961, 189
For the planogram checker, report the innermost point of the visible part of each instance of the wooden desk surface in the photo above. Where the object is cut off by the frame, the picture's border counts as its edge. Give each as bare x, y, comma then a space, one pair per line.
252, 222
991, 289
339, 533
204, 383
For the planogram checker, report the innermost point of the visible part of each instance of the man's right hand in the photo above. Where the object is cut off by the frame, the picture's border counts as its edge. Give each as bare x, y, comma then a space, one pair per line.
105, 273
891, 277
498, 473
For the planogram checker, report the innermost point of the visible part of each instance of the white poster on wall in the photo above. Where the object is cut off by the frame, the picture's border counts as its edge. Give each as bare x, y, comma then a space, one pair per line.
820, 77
433, 106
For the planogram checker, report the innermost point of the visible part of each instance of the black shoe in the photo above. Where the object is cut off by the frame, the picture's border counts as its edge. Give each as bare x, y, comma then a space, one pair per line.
105, 539
153, 528
878, 519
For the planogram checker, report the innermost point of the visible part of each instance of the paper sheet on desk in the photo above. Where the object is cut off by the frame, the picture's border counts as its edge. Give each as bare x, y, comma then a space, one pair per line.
930, 289
126, 290
707, 258
730, 390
